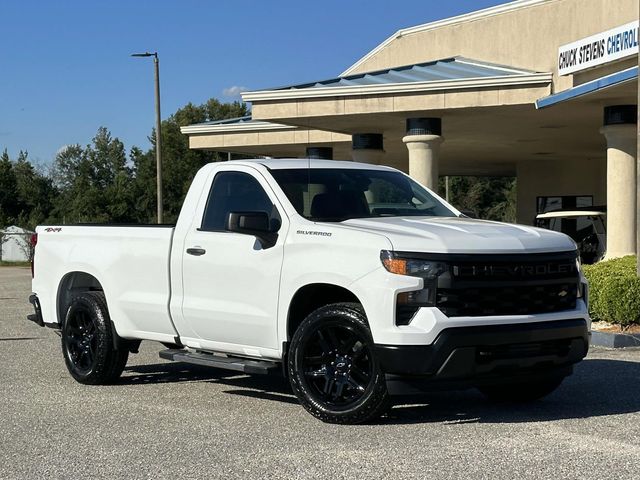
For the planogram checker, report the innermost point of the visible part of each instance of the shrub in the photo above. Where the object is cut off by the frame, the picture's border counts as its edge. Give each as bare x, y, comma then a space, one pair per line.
614, 291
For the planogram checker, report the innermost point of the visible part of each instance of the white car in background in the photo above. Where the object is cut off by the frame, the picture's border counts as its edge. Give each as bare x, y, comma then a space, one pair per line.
588, 229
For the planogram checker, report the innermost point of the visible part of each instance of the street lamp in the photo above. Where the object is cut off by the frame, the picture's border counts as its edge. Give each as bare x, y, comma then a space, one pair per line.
158, 140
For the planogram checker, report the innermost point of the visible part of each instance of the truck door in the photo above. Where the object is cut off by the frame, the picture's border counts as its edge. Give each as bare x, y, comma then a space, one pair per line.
230, 281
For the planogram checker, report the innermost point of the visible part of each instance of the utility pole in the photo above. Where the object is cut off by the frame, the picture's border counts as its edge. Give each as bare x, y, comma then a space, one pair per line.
156, 63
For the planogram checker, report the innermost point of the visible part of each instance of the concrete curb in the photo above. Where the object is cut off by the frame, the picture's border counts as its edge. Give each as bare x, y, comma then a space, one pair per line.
615, 340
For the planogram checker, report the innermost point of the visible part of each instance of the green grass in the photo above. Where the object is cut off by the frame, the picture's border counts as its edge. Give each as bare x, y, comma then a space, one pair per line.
14, 264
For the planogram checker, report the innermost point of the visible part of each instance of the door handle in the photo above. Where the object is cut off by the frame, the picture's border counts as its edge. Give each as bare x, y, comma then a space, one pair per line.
196, 251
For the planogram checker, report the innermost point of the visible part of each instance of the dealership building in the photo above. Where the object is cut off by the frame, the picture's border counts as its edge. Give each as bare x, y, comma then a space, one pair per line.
543, 90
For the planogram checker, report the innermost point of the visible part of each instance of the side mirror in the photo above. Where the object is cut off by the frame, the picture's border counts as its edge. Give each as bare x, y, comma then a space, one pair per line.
258, 224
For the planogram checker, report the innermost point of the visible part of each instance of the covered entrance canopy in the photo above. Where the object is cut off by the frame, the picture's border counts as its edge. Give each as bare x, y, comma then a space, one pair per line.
380, 102
484, 93
258, 138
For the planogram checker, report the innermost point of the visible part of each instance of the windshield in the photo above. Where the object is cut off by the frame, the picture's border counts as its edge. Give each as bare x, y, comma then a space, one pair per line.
337, 194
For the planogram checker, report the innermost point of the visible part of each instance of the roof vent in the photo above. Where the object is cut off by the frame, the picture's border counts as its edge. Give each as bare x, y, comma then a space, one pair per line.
424, 126
367, 141
320, 153
620, 114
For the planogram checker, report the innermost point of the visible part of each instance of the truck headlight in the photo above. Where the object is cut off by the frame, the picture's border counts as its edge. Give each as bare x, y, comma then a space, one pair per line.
407, 303
426, 269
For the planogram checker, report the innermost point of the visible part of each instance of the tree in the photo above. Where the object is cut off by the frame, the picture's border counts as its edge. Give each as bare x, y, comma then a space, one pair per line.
95, 182
8, 201
34, 192
98, 183
491, 198
504, 208
215, 110
25, 192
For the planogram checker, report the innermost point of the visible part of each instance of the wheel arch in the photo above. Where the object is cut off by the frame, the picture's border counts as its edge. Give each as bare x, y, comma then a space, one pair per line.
313, 296
70, 285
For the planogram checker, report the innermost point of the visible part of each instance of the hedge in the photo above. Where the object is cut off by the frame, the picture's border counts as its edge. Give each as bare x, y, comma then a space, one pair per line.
614, 291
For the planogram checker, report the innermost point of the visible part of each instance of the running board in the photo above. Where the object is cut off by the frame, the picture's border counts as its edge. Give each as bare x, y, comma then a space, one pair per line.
238, 364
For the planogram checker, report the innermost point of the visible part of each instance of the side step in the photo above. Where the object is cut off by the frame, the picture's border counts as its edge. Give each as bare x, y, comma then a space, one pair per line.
238, 364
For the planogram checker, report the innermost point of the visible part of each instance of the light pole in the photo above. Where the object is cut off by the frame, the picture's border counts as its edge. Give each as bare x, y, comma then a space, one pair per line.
158, 136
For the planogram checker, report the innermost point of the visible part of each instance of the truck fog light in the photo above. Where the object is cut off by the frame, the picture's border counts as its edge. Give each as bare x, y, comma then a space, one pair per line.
408, 303
419, 298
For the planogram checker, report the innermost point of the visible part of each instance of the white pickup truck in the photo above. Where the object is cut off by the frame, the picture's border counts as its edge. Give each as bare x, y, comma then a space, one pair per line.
351, 279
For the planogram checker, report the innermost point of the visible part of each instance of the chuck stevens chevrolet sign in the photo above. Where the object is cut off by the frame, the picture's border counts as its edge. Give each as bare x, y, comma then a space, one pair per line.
614, 44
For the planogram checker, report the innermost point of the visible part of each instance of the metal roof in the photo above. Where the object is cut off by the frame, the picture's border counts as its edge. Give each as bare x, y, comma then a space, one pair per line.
628, 75
227, 121
238, 124
455, 68
448, 73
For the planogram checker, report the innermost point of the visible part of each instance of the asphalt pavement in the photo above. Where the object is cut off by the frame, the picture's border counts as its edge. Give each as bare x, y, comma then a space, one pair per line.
168, 420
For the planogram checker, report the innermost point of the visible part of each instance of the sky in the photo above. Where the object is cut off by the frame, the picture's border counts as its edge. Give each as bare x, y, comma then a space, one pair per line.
66, 70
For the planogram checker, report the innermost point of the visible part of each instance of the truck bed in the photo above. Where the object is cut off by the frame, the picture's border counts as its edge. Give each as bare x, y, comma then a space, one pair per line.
131, 263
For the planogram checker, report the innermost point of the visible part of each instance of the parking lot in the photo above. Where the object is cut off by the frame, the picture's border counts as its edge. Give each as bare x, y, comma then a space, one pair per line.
168, 420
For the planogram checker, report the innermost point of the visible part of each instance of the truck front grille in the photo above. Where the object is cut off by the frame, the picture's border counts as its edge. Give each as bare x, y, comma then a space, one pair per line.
488, 300
485, 285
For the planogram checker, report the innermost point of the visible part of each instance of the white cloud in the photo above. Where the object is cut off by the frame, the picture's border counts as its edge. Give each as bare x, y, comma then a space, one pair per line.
234, 91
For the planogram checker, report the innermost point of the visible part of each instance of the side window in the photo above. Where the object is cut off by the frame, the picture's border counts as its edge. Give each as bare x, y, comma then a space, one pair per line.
233, 192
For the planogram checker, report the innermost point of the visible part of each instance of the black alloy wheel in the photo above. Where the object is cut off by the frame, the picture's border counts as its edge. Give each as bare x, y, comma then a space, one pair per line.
88, 341
332, 366
338, 366
81, 340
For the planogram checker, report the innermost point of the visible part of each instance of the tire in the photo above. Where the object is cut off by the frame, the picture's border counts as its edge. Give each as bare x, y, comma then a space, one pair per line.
521, 392
87, 341
332, 367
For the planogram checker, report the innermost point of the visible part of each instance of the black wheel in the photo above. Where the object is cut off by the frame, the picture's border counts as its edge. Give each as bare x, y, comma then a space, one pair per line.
521, 392
332, 367
87, 341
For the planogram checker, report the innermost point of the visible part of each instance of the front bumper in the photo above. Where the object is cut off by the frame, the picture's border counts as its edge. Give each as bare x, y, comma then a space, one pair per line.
488, 354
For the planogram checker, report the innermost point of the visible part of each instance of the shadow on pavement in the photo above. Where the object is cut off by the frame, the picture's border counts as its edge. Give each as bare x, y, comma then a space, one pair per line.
171, 372
274, 387
598, 387
16, 339
262, 395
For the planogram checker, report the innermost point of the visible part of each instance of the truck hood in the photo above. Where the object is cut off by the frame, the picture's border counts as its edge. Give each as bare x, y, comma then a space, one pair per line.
462, 235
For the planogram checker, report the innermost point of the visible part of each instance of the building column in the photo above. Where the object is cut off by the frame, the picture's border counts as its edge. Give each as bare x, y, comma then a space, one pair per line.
367, 148
620, 131
423, 139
